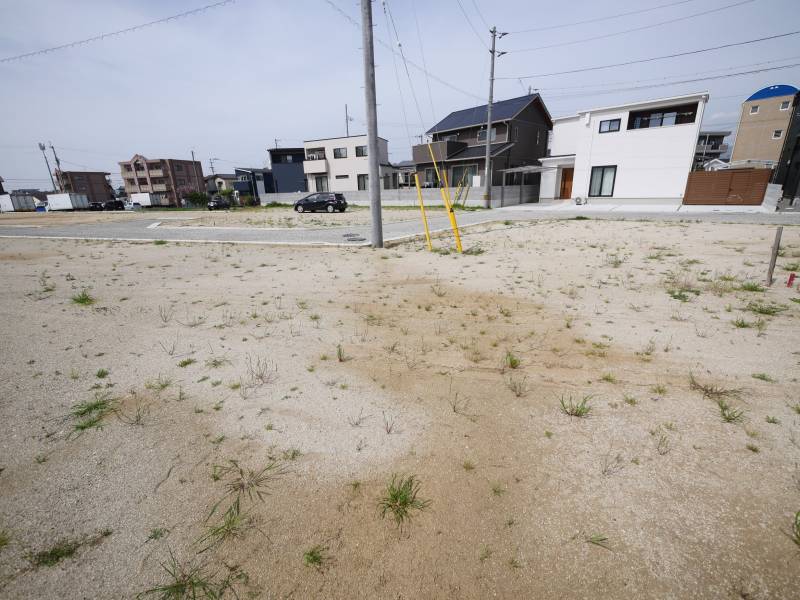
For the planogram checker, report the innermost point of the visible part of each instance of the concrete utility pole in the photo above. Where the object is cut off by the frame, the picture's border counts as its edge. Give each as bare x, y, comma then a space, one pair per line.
487, 194
372, 123
42, 147
211, 163
58, 168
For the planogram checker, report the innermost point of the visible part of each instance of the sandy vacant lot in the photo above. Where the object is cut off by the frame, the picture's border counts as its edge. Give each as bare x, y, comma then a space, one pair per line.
233, 416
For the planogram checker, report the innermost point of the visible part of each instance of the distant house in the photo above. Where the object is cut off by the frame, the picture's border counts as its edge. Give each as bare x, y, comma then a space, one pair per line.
287, 169
341, 164
763, 123
715, 164
254, 181
642, 150
171, 179
94, 184
219, 182
1, 186
405, 173
710, 145
519, 134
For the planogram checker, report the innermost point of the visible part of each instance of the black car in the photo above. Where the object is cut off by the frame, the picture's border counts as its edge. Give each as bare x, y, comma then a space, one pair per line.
218, 203
96, 206
113, 205
327, 201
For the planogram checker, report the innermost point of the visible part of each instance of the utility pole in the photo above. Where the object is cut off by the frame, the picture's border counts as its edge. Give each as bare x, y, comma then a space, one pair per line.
487, 194
211, 163
372, 123
347, 119
42, 147
276, 142
58, 168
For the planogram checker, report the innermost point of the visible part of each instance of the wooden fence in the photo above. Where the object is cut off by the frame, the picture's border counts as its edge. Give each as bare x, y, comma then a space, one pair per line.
727, 186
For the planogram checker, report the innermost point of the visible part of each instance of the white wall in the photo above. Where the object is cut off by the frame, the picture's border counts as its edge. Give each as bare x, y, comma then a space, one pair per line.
652, 163
351, 167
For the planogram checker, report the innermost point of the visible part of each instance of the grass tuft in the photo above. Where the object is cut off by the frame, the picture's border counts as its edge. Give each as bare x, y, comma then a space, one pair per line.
400, 499
84, 298
575, 408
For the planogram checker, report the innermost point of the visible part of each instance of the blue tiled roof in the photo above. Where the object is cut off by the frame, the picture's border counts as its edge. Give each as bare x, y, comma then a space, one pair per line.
501, 111
773, 91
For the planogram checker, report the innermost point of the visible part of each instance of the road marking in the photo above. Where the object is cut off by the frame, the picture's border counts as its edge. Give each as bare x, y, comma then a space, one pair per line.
154, 225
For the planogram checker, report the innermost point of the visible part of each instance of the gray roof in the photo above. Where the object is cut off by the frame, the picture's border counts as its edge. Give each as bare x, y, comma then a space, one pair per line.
501, 111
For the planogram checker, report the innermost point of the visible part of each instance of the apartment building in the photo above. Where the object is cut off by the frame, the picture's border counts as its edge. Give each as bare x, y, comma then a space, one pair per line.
341, 164
710, 145
642, 150
763, 124
94, 184
171, 179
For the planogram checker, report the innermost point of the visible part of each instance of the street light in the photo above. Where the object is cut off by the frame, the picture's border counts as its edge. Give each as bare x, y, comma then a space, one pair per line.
47, 162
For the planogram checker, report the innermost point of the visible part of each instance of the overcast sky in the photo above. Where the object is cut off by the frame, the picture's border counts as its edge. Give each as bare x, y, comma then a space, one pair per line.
226, 82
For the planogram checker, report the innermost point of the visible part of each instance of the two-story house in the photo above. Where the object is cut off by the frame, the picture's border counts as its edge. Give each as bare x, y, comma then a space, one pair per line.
642, 150
518, 137
341, 164
287, 169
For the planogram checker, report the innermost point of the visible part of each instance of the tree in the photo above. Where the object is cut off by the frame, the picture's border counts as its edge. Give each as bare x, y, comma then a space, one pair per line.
197, 198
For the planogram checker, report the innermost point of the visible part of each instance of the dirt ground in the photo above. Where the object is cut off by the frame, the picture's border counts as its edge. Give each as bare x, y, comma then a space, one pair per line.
324, 373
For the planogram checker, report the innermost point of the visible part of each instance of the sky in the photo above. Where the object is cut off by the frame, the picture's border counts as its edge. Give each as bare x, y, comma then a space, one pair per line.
225, 83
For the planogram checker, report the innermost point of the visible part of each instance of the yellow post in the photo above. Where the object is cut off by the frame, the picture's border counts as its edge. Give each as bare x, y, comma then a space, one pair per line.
446, 199
422, 210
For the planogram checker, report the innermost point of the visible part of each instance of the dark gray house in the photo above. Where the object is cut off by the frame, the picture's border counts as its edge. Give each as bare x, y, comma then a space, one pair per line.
287, 169
520, 127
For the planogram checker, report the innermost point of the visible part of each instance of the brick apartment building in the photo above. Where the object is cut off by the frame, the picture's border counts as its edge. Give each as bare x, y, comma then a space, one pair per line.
92, 183
169, 178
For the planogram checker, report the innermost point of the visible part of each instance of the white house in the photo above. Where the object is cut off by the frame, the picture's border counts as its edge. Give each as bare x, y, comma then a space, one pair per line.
341, 164
642, 150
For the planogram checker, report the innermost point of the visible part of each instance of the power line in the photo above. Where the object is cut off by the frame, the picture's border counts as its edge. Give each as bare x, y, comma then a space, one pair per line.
103, 36
630, 82
654, 85
654, 58
397, 80
608, 18
485, 22
471, 26
642, 28
422, 54
356, 24
405, 62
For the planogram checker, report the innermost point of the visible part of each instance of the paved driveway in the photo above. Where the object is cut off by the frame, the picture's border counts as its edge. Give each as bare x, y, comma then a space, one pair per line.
154, 227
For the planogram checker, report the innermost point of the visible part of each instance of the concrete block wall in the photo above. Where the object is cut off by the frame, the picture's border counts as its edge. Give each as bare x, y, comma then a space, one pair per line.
501, 196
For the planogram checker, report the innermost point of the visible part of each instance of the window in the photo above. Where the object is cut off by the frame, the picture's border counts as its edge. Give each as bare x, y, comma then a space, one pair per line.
179, 181
361, 150
609, 126
363, 182
754, 109
343, 177
450, 138
662, 117
431, 180
463, 175
785, 105
482, 134
315, 154
340, 153
321, 183
776, 135
178, 167
288, 158
602, 181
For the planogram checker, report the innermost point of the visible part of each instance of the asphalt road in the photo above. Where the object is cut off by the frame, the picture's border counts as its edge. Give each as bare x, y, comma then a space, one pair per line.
155, 227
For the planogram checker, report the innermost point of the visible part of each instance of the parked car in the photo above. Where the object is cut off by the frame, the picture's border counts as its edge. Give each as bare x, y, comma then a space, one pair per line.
113, 205
327, 201
218, 203
96, 206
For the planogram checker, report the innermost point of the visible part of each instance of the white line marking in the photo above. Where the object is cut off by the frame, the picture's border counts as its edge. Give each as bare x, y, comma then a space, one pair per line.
154, 225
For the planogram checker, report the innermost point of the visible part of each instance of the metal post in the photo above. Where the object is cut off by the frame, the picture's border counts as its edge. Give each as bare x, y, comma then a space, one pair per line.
487, 194
372, 123
42, 147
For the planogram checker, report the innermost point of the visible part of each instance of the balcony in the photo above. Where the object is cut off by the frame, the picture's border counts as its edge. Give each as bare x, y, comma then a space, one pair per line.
159, 187
711, 148
311, 167
441, 151
156, 173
